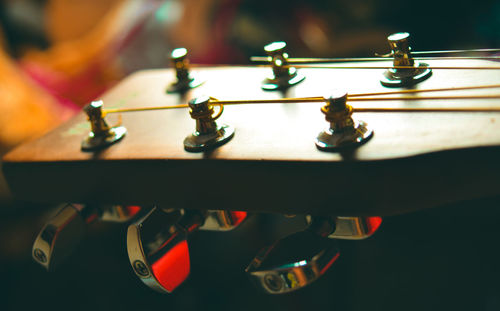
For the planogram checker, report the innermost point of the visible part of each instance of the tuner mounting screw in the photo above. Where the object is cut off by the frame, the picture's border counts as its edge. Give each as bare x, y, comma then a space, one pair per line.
208, 133
273, 282
344, 131
101, 135
401, 51
185, 80
140, 268
39, 255
283, 75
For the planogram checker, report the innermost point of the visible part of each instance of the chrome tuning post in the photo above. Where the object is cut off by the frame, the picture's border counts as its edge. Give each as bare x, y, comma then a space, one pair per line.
185, 80
296, 260
61, 235
401, 51
101, 135
344, 131
208, 133
353, 228
157, 244
283, 75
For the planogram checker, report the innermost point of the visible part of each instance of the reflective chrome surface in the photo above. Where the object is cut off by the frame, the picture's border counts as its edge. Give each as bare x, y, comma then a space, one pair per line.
185, 80
401, 51
101, 135
344, 131
296, 260
283, 76
208, 133
219, 220
59, 237
292, 263
158, 250
353, 228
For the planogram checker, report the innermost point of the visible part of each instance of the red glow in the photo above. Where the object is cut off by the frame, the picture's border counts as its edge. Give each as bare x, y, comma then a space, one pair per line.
133, 210
173, 267
91, 218
329, 263
238, 217
373, 223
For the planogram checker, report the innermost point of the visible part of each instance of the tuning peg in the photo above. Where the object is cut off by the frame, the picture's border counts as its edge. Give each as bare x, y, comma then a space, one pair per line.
401, 51
185, 79
344, 131
101, 134
296, 260
60, 236
283, 75
157, 244
208, 133
353, 228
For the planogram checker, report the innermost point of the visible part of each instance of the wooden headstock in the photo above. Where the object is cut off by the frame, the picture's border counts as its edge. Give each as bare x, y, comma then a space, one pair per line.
413, 161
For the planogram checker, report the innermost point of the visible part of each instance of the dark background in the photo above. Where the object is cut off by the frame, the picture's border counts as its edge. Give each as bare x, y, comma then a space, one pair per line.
438, 259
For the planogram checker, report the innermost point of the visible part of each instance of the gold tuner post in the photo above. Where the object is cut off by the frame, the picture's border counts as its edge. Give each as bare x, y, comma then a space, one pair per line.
101, 135
185, 80
344, 131
413, 72
283, 75
208, 133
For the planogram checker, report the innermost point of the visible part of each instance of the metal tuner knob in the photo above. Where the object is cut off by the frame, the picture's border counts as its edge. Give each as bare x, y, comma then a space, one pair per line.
157, 244
353, 228
296, 260
63, 232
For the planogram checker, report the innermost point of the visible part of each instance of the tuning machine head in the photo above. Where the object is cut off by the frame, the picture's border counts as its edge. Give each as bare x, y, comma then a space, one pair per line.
208, 133
296, 260
283, 75
401, 51
63, 232
101, 134
157, 244
344, 131
185, 80
353, 228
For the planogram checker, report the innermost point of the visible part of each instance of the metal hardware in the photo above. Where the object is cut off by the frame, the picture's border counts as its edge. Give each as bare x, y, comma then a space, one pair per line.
219, 220
157, 243
185, 80
401, 51
208, 133
344, 131
283, 75
101, 135
296, 260
353, 228
61, 235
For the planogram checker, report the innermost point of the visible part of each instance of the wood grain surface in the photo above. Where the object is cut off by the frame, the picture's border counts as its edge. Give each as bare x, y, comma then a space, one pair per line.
414, 161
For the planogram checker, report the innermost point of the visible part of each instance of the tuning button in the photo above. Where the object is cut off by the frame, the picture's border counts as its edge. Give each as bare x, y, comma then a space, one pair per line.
296, 260
401, 51
61, 234
283, 75
353, 228
157, 244
185, 80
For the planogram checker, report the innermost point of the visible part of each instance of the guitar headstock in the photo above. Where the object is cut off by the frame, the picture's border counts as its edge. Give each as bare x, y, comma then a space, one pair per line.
274, 157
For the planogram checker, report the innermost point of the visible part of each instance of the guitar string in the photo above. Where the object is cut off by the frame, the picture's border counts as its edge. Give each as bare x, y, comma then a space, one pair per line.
297, 60
321, 99
390, 67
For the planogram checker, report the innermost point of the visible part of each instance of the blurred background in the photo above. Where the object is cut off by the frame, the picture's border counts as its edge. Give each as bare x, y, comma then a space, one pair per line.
57, 55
